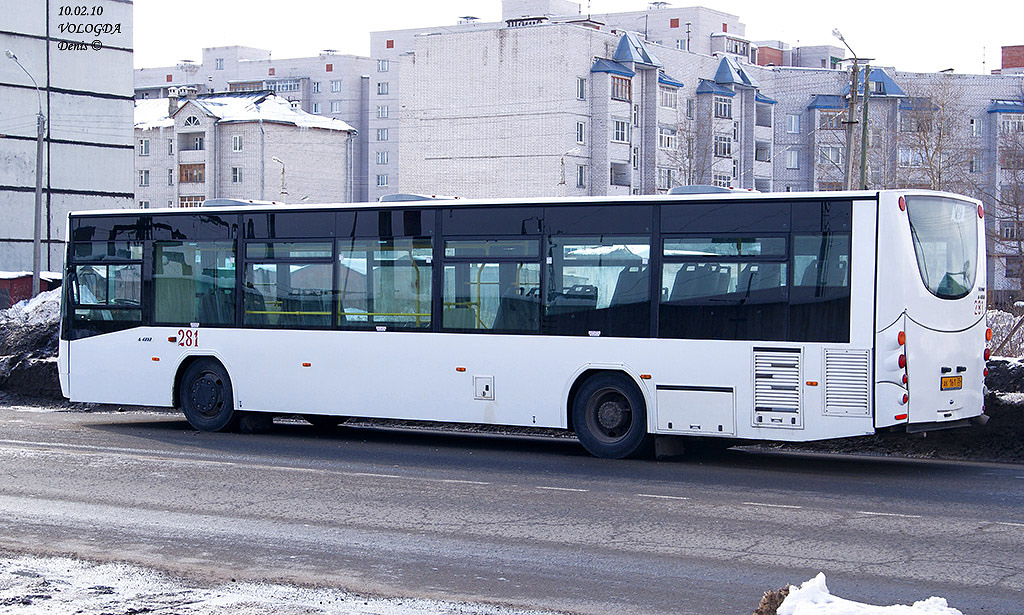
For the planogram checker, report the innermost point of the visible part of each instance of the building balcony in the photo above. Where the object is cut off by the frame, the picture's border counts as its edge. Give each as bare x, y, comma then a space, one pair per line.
188, 156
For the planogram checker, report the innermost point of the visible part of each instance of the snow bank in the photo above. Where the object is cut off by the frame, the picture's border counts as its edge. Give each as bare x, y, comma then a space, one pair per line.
43, 309
813, 598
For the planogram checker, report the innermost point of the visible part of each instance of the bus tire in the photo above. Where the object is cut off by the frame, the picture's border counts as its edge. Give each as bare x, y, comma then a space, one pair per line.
610, 417
206, 396
324, 421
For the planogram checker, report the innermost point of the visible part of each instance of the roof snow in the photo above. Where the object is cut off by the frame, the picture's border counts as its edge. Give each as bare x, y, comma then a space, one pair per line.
233, 108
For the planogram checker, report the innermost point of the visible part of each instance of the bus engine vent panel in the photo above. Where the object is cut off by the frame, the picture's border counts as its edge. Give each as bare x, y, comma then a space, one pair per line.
777, 388
846, 383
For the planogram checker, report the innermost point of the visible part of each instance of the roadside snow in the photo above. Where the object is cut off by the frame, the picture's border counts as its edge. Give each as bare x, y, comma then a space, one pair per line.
813, 598
42, 309
61, 585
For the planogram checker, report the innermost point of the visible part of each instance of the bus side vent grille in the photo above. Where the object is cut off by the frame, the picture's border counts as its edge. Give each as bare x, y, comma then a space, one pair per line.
846, 383
777, 389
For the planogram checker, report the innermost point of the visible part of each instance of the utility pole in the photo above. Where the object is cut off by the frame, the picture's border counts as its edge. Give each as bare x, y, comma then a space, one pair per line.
864, 129
850, 121
37, 227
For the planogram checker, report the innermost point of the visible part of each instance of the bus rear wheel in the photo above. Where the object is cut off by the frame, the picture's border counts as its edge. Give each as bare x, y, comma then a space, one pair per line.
610, 417
206, 396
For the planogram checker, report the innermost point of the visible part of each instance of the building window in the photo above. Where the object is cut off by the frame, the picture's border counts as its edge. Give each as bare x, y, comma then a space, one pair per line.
170, 147
974, 164
621, 88
170, 177
912, 123
723, 146
666, 137
191, 121
236, 143
284, 85
1012, 124
763, 115
316, 87
581, 132
581, 88
830, 186
329, 68
390, 43
581, 176
169, 78
143, 204
336, 106
144, 177
689, 108
382, 66
382, 180
792, 159
1014, 267
196, 143
271, 71
219, 64
830, 120
1009, 228
792, 123
382, 134
673, 22
191, 201
336, 85
191, 173
143, 147
762, 151
620, 131
382, 157
723, 181
723, 107
636, 115
735, 168
830, 154
668, 97
236, 175
382, 88
636, 158
664, 178
382, 111
620, 174
910, 158
1011, 159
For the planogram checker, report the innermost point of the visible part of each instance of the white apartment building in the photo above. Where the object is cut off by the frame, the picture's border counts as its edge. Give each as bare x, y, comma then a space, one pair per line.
85, 94
243, 145
330, 84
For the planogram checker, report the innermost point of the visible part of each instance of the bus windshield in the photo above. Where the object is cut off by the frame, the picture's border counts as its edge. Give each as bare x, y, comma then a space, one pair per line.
945, 239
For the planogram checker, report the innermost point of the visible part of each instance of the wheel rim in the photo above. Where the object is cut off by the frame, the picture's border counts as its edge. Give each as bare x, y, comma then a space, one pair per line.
609, 415
206, 394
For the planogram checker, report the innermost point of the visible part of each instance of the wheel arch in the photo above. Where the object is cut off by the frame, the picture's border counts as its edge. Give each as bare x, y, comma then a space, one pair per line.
588, 371
183, 365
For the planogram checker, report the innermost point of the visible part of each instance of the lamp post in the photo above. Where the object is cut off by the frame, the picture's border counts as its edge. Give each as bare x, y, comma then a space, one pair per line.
38, 225
284, 192
850, 119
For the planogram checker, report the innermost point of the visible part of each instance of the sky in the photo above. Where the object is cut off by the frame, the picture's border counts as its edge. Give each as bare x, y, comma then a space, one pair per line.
911, 35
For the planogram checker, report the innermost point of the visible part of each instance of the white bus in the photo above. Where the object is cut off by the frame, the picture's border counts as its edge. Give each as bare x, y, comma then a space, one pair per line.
737, 317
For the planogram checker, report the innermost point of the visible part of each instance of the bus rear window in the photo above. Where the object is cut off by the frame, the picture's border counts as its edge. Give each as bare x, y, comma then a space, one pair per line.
945, 236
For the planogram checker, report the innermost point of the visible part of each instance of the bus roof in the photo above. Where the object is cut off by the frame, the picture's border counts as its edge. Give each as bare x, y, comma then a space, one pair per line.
264, 207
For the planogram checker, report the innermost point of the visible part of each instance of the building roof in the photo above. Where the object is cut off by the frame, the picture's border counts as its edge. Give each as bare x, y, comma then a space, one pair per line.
761, 98
731, 73
886, 88
1006, 106
827, 101
235, 107
666, 80
706, 86
632, 49
608, 66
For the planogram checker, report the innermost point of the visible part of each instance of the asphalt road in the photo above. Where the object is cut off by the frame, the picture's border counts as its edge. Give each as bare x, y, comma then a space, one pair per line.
526, 522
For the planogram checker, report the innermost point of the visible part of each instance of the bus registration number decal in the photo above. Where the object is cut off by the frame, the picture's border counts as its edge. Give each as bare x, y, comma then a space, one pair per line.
188, 338
951, 382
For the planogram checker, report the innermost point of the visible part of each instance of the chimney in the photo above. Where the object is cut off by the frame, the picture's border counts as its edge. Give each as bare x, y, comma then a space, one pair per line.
190, 93
172, 101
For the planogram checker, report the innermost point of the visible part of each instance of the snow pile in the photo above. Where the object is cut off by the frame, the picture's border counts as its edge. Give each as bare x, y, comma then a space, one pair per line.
62, 585
43, 309
1001, 324
813, 598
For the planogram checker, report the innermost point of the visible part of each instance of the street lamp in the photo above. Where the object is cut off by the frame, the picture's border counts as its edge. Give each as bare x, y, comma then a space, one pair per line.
284, 192
38, 225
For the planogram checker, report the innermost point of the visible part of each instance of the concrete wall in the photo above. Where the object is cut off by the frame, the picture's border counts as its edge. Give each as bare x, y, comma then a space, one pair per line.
85, 78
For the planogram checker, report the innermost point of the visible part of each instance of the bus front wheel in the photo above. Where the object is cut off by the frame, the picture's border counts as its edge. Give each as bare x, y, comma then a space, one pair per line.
610, 417
206, 397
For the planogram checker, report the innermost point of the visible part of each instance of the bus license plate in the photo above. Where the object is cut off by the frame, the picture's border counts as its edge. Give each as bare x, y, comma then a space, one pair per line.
952, 382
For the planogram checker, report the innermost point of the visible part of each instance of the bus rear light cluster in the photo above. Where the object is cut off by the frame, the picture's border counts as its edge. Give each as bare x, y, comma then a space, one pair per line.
981, 211
906, 398
903, 204
988, 335
902, 361
984, 372
901, 338
904, 379
988, 353
901, 417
